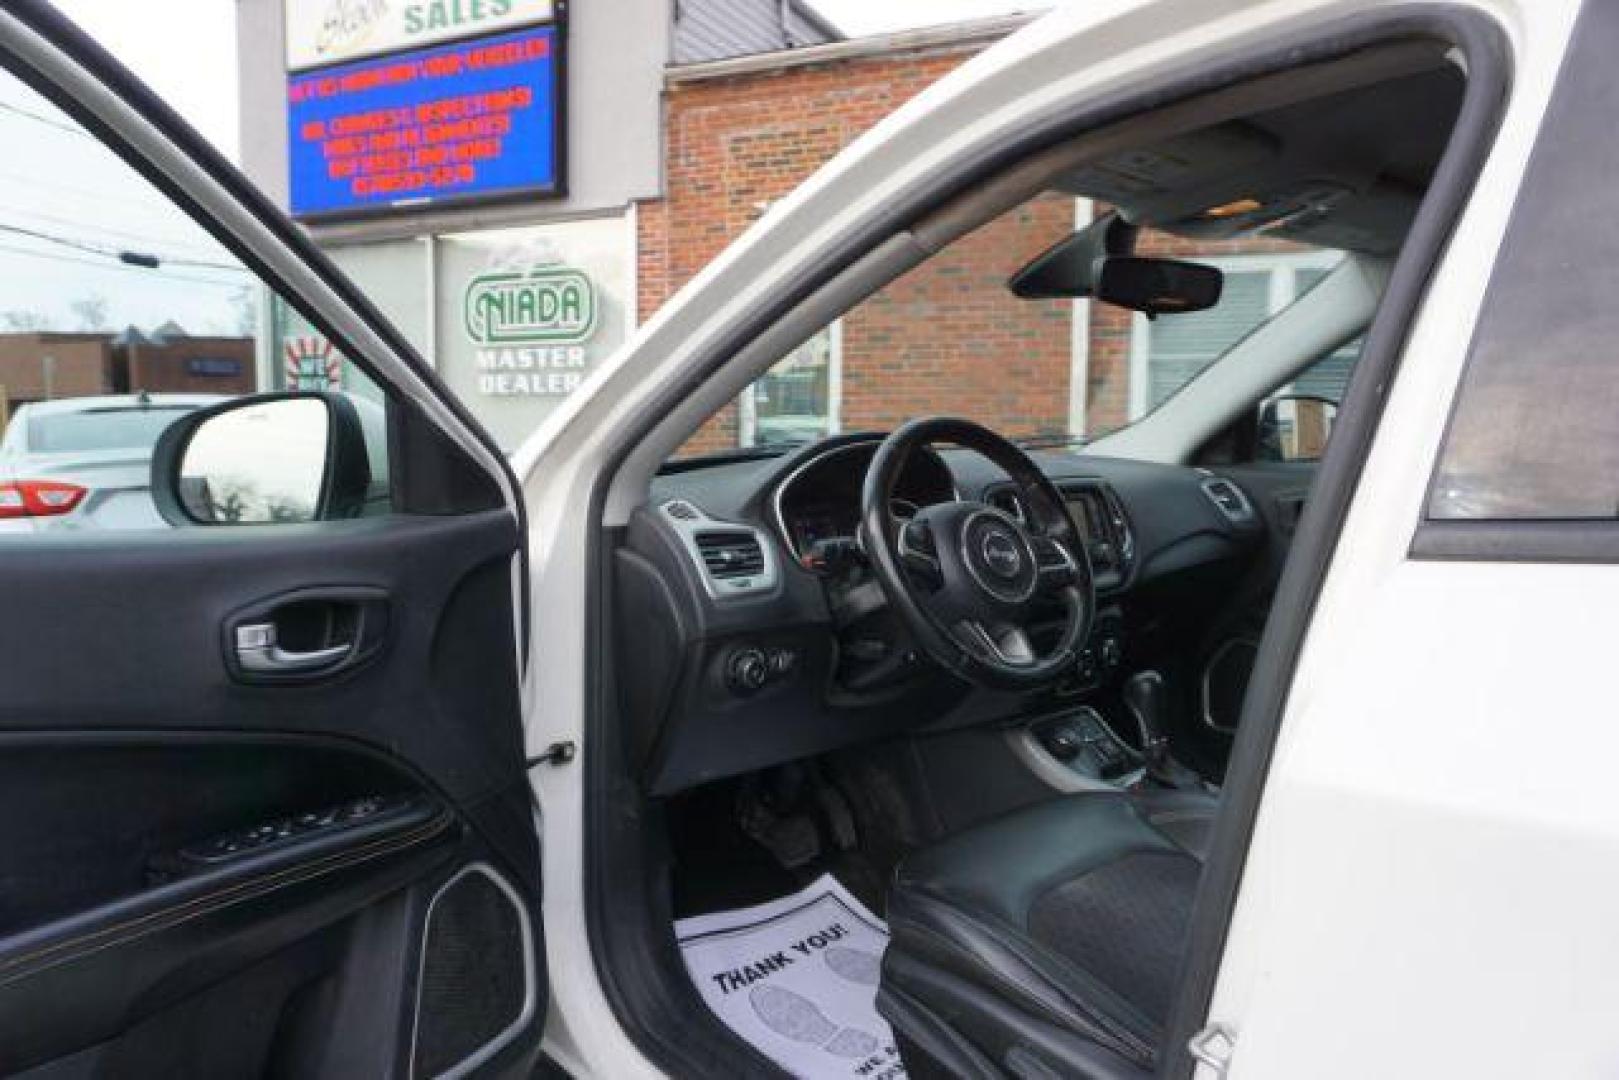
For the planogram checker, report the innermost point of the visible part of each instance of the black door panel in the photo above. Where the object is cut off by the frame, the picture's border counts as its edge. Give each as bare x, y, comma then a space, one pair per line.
126, 632
184, 856
264, 809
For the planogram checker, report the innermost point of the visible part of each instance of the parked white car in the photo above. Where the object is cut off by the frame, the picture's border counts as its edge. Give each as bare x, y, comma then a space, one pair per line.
86, 463
1158, 756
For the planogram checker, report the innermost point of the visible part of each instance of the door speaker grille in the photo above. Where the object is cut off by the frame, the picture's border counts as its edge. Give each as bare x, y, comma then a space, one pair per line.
475, 990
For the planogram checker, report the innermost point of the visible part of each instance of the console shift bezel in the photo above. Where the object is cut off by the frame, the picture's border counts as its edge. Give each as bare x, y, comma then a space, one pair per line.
1084, 770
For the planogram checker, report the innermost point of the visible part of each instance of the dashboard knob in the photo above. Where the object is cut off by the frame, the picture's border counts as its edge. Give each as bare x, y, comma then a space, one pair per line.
748, 671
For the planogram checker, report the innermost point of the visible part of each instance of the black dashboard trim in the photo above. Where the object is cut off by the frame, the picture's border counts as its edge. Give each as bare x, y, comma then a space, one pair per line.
817, 454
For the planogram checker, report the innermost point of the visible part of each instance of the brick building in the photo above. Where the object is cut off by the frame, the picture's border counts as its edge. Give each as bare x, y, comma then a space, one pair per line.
42, 365
947, 336
677, 139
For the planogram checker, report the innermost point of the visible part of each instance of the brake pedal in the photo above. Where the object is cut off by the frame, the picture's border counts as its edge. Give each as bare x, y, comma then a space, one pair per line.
792, 838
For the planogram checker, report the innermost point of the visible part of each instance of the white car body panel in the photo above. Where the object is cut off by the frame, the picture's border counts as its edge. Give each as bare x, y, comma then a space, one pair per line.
1374, 597
1429, 891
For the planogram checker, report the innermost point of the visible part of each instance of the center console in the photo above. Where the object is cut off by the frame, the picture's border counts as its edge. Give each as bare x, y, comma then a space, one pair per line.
1076, 750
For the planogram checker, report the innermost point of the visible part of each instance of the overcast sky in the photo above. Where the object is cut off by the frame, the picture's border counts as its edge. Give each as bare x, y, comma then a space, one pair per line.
183, 49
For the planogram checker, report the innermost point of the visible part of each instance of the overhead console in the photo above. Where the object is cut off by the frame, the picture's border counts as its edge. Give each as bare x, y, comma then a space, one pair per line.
1303, 172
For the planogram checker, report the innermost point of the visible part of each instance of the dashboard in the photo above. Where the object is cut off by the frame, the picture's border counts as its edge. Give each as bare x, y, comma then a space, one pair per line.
820, 500
757, 635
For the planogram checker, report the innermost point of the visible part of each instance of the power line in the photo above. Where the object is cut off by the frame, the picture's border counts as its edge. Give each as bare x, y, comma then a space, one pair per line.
46, 120
140, 258
145, 238
57, 187
52, 256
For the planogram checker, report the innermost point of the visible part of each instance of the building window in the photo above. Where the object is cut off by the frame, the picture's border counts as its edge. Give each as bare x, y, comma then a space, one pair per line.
1166, 354
799, 399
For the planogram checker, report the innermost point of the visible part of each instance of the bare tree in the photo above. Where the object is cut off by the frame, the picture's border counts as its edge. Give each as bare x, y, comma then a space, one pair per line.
91, 312
26, 320
246, 302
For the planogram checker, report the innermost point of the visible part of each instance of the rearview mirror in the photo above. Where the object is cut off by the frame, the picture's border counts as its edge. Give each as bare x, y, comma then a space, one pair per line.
1098, 262
1295, 427
270, 458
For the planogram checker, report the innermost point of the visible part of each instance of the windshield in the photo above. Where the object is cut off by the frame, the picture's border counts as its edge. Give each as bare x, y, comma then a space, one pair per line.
101, 429
949, 338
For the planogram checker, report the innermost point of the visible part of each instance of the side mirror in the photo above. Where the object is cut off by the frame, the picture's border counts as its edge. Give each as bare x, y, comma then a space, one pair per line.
1098, 261
1295, 427
269, 458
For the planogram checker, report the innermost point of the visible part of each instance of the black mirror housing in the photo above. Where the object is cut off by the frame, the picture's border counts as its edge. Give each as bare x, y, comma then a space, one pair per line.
336, 484
1097, 262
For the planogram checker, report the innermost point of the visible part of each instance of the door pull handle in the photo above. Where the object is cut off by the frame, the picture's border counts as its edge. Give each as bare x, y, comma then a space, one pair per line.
257, 652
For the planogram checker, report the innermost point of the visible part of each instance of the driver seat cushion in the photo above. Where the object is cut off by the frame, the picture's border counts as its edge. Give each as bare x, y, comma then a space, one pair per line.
1060, 923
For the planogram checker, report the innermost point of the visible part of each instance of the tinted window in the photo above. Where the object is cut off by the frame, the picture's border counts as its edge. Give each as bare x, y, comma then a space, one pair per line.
1535, 434
99, 429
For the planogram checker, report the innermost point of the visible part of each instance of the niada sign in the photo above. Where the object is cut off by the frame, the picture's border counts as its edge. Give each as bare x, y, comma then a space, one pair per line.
323, 32
530, 329
524, 315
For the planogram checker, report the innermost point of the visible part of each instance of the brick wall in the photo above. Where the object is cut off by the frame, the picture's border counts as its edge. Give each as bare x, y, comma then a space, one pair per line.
74, 365
946, 337
733, 145
90, 364
949, 338
167, 368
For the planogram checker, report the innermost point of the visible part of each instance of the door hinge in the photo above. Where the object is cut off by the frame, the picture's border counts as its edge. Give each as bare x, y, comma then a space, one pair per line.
1213, 1046
559, 753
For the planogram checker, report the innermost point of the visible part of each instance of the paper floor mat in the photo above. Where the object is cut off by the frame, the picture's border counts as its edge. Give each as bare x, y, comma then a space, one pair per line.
797, 978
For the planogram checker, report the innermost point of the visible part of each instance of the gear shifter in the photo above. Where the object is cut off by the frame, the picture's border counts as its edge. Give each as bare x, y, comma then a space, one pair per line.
1146, 699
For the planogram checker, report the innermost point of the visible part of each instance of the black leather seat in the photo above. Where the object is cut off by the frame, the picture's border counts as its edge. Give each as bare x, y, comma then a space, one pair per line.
1046, 942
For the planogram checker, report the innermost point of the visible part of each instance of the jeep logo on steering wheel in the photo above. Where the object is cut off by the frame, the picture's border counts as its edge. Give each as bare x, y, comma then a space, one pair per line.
1000, 553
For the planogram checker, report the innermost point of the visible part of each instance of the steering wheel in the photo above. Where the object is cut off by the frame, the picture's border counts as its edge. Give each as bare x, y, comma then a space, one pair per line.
967, 578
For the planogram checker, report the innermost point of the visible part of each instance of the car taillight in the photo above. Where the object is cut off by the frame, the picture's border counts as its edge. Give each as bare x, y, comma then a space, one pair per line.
39, 498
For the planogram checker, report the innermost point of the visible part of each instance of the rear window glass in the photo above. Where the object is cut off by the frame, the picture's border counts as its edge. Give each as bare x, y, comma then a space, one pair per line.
1535, 435
100, 429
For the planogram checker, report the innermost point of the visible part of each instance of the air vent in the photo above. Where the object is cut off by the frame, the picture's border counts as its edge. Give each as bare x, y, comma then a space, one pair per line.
729, 555
1229, 498
738, 560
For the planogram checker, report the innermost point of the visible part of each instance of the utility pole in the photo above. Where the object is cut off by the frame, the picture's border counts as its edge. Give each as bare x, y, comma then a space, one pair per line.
47, 366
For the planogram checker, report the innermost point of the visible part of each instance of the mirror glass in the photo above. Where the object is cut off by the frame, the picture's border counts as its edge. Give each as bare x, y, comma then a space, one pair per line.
262, 462
1295, 428
1096, 262
1158, 286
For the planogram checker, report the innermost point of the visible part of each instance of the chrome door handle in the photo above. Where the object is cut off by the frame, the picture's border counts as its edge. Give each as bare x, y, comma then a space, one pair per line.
258, 653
